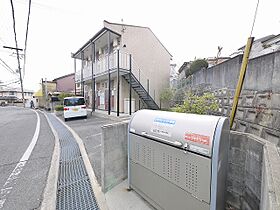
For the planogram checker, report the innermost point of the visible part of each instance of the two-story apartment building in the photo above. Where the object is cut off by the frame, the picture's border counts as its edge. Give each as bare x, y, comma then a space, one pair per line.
12, 94
123, 68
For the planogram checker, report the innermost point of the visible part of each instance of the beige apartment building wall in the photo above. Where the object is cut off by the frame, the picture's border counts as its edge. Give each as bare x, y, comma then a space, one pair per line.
149, 55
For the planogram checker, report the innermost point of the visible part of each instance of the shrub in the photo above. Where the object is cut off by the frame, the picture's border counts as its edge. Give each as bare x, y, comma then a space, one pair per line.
61, 96
204, 104
196, 66
58, 108
166, 94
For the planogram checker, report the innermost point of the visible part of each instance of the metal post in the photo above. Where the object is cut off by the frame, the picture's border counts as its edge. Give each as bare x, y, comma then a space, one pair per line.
92, 78
75, 76
148, 86
241, 78
109, 75
130, 86
118, 83
43, 89
82, 75
46, 92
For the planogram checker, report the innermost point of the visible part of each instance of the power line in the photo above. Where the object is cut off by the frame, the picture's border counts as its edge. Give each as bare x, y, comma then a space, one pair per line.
10, 82
14, 26
26, 34
255, 16
7, 66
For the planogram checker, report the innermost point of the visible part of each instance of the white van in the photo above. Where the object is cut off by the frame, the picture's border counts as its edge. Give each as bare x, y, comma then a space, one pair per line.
74, 107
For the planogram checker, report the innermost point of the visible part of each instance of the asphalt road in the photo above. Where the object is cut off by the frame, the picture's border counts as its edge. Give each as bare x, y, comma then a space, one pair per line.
24, 188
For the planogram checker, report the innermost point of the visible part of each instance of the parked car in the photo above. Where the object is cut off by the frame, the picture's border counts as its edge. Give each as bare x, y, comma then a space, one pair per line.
4, 103
74, 107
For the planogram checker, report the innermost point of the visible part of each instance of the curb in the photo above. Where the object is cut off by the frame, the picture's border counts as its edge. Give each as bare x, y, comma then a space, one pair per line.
111, 117
100, 197
49, 195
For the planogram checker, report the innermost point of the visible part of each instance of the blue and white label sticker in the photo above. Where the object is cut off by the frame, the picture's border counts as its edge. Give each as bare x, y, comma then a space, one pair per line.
162, 126
163, 121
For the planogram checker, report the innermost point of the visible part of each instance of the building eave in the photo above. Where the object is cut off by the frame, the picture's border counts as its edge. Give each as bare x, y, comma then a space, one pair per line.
67, 75
95, 37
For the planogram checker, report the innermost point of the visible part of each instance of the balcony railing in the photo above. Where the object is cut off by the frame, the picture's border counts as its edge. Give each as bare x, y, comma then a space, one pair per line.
101, 65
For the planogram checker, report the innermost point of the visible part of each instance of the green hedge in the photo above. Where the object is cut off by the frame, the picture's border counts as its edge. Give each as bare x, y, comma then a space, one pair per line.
58, 108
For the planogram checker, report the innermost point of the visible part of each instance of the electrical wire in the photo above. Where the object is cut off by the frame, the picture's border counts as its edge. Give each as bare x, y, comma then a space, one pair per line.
255, 16
7, 66
26, 35
10, 82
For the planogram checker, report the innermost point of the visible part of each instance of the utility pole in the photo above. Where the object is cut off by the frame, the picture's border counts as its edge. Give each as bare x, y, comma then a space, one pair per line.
19, 70
46, 93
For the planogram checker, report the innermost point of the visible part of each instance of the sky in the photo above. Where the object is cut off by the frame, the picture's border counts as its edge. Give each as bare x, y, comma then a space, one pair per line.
188, 29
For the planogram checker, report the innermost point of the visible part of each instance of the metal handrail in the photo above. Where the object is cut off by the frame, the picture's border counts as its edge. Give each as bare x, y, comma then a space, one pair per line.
101, 67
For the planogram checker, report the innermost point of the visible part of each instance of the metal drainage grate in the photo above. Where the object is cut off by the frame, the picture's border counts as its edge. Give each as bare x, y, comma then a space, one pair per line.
74, 188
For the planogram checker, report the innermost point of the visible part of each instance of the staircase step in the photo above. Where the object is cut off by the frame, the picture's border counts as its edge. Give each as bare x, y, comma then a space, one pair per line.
139, 89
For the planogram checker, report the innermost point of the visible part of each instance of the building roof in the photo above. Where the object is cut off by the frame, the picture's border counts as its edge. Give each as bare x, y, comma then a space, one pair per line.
122, 24
272, 40
67, 75
263, 39
104, 29
8, 89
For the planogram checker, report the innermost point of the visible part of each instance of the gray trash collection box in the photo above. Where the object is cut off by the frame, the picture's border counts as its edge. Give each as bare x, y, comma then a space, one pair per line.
178, 161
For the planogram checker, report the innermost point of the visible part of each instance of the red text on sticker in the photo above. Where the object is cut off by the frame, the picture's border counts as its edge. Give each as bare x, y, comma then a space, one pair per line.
200, 139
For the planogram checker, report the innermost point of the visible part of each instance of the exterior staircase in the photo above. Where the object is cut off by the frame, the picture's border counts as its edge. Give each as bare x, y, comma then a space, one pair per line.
140, 90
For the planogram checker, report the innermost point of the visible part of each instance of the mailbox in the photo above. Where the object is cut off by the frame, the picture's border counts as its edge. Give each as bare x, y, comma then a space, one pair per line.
177, 160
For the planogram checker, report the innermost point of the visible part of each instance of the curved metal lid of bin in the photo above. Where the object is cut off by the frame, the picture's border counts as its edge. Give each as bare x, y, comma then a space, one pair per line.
190, 131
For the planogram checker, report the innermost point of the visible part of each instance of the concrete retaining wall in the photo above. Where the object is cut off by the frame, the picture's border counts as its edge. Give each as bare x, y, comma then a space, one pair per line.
113, 155
263, 74
253, 173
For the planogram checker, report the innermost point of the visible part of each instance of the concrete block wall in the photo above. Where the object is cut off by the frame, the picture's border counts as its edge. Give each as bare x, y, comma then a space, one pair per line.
113, 155
253, 173
258, 113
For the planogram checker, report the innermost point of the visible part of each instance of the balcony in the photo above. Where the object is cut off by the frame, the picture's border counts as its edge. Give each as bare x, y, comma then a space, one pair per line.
100, 67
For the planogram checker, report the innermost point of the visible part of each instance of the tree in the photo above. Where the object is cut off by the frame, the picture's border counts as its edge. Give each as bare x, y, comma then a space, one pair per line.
166, 96
204, 104
196, 66
179, 96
